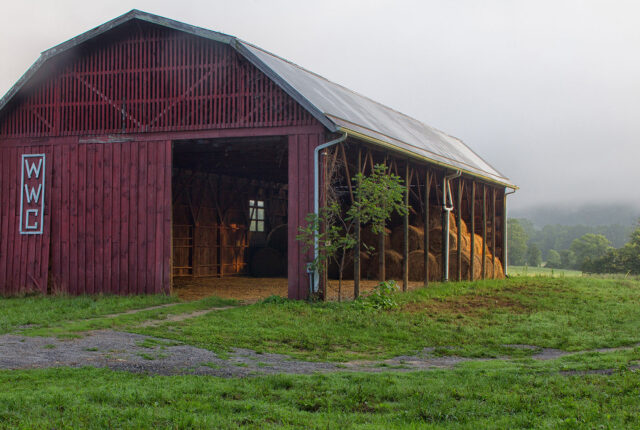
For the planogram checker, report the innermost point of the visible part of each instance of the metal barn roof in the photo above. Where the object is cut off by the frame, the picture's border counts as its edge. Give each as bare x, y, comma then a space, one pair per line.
336, 107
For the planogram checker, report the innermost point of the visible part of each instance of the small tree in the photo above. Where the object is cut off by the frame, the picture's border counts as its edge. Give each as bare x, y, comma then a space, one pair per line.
554, 261
517, 242
376, 197
589, 248
534, 255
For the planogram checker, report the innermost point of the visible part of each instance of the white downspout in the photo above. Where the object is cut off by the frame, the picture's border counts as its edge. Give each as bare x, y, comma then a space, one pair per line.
316, 198
446, 193
506, 231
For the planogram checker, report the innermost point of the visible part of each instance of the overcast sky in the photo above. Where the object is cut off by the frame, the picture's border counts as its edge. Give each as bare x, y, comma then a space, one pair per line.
548, 92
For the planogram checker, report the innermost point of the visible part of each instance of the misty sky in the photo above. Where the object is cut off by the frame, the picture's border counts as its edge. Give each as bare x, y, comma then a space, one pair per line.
548, 92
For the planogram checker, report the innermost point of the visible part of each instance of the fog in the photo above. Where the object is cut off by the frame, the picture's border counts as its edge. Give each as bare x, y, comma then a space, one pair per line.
548, 92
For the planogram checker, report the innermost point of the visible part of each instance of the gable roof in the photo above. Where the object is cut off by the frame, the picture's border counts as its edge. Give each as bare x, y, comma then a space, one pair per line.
334, 106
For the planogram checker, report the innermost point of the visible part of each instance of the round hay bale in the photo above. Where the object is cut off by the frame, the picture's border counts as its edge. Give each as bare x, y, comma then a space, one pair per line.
266, 263
334, 270
278, 238
416, 266
371, 239
453, 265
392, 265
435, 240
416, 238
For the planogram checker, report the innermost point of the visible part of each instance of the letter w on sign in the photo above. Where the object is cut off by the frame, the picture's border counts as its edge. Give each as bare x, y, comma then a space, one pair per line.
32, 188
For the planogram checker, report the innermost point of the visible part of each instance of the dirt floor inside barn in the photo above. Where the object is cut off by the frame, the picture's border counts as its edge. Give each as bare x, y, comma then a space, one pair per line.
250, 290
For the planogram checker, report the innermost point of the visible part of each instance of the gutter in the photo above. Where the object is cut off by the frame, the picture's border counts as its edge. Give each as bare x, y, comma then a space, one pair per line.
316, 201
446, 197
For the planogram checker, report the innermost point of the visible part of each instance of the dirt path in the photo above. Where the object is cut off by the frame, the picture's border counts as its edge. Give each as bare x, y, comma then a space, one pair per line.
182, 317
138, 353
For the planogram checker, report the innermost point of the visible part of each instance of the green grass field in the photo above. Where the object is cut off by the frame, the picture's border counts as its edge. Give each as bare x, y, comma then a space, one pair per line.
584, 390
542, 271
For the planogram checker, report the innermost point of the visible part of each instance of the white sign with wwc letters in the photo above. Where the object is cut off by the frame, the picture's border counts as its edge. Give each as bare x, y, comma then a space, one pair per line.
32, 188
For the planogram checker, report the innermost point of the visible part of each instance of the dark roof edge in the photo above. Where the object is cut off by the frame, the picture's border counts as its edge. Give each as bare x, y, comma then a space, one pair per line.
286, 87
175, 25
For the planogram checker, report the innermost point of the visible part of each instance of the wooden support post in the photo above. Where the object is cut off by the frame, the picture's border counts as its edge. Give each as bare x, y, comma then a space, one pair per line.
493, 233
473, 230
382, 276
356, 255
459, 224
405, 243
484, 230
324, 281
427, 185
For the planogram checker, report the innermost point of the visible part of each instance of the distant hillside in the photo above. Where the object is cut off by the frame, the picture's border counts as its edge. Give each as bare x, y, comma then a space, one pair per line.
588, 215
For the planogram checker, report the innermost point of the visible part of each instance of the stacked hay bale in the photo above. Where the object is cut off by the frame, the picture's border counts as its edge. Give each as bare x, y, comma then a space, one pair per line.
394, 243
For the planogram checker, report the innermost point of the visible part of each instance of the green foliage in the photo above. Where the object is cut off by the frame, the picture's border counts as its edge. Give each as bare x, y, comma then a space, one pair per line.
517, 242
383, 296
534, 256
554, 261
623, 260
567, 259
376, 197
589, 248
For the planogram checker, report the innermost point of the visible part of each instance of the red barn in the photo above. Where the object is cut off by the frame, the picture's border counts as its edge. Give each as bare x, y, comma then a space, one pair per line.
147, 150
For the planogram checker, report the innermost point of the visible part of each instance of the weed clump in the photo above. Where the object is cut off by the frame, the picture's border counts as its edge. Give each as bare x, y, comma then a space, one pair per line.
383, 296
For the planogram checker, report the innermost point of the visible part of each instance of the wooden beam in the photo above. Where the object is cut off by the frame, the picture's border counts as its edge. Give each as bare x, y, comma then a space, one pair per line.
382, 275
473, 230
493, 232
459, 224
324, 283
346, 168
405, 243
427, 189
484, 230
356, 256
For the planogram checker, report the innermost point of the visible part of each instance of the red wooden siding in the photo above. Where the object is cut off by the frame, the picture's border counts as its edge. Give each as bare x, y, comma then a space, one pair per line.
107, 220
301, 167
145, 78
24, 259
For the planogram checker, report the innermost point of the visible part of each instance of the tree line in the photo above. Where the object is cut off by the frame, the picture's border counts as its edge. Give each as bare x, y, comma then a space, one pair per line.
594, 249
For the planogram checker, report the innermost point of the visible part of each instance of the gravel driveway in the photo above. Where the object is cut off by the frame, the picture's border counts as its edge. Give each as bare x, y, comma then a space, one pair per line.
139, 353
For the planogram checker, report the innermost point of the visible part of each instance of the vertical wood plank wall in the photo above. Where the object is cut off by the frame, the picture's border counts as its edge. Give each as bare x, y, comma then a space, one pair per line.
24, 259
301, 167
107, 219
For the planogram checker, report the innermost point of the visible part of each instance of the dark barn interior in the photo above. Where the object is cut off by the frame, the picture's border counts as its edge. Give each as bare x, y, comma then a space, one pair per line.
229, 211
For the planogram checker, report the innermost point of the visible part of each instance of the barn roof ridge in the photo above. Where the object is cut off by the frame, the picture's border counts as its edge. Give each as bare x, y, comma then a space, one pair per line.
335, 106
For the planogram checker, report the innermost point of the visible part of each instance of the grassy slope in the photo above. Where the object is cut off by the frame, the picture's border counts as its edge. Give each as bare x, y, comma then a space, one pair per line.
466, 319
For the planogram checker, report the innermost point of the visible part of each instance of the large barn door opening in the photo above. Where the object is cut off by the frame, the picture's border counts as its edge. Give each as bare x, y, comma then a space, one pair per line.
230, 217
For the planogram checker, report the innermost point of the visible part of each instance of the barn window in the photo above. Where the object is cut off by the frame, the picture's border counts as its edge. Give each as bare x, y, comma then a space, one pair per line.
256, 215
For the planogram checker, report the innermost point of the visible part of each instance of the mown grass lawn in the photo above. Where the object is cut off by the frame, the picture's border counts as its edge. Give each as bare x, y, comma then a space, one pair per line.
487, 396
468, 319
